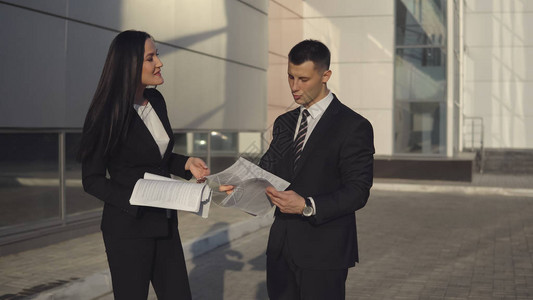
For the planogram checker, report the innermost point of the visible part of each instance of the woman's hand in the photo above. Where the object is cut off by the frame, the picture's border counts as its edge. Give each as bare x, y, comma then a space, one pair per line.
198, 168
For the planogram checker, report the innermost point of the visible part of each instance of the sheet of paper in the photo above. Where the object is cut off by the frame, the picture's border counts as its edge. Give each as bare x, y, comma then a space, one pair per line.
250, 182
163, 192
203, 211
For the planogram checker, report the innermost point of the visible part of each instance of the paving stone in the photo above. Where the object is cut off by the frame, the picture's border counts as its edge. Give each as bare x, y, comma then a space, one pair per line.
413, 245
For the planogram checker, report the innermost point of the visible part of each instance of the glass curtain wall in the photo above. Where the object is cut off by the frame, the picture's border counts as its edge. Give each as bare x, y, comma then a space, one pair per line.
420, 77
220, 149
76, 200
40, 179
457, 45
29, 178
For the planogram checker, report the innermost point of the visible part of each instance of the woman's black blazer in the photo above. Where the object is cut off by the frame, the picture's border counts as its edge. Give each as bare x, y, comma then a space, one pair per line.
138, 154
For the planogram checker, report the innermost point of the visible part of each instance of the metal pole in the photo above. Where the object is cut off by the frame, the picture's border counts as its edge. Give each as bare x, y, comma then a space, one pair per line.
62, 186
208, 159
473, 135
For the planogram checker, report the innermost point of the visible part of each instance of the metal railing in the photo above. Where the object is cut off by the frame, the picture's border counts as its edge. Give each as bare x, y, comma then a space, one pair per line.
473, 133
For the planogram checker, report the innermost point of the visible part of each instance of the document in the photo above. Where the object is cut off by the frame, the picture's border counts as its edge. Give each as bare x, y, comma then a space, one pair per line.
163, 192
250, 182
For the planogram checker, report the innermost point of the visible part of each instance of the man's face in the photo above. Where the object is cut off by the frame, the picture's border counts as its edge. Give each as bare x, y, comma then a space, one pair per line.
307, 83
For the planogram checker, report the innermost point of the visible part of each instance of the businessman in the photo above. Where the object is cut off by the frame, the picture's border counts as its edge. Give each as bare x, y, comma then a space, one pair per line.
325, 150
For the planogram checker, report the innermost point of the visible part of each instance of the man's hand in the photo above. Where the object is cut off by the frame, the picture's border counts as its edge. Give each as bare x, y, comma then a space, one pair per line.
198, 168
288, 202
226, 188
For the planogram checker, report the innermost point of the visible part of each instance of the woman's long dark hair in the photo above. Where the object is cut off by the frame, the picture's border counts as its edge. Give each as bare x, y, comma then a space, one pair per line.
110, 112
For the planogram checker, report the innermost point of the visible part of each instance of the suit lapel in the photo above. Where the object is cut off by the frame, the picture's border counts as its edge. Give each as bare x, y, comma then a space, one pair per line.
291, 123
163, 117
321, 130
145, 136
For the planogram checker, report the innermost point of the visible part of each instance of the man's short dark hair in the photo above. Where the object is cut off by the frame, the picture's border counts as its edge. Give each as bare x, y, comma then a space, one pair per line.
310, 50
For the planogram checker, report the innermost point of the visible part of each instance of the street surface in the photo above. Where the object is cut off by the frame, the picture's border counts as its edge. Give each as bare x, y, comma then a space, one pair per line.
412, 246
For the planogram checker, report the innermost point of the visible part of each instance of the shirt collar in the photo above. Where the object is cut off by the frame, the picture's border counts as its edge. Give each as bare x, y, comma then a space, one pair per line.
319, 107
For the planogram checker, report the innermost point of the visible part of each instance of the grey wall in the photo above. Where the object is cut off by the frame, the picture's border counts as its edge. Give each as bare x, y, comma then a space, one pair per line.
215, 56
498, 70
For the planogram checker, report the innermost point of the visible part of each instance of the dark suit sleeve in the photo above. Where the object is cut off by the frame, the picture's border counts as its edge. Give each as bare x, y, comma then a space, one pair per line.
280, 146
270, 157
97, 184
177, 166
356, 170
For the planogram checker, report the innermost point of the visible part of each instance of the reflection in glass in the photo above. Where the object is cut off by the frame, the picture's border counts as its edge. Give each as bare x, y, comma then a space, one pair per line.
77, 200
224, 150
29, 178
180, 143
199, 144
224, 147
420, 77
419, 127
251, 146
420, 22
420, 74
223, 142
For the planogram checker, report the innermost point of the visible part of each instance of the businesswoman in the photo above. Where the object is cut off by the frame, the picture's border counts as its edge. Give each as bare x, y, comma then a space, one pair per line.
127, 133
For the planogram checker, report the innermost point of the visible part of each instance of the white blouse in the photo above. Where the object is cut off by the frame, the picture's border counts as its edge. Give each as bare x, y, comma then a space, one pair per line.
154, 125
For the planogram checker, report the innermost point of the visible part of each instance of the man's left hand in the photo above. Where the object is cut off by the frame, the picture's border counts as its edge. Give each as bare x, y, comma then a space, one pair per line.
288, 202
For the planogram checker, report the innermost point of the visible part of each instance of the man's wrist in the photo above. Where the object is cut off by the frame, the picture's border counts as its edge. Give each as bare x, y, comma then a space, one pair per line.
308, 208
313, 204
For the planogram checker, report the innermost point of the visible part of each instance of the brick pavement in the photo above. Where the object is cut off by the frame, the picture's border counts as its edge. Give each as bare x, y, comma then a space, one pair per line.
31, 271
412, 246
445, 246
431, 245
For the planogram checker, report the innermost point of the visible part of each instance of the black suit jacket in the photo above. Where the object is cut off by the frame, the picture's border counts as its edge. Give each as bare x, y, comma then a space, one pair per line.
336, 170
137, 155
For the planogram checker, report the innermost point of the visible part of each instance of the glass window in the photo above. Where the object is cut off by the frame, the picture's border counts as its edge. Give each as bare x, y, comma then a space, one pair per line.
224, 150
419, 127
420, 22
199, 144
251, 143
420, 77
224, 147
420, 74
251, 146
77, 200
180, 143
29, 178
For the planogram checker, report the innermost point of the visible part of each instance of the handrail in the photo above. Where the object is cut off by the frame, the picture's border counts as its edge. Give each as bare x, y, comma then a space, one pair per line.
473, 132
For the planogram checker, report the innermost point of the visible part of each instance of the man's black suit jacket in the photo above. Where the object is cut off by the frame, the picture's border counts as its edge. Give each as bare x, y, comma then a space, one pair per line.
137, 155
336, 170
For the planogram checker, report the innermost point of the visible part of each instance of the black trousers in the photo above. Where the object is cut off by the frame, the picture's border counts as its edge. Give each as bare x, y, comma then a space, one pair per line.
135, 262
287, 281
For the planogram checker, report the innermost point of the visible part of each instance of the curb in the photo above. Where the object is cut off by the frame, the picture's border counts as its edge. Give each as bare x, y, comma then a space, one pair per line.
471, 190
99, 284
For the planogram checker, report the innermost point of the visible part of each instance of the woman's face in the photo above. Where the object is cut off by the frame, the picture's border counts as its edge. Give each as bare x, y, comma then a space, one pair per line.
151, 74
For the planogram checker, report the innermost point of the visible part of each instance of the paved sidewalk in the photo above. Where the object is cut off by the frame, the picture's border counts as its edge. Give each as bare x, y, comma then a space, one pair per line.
412, 246
77, 269
482, 184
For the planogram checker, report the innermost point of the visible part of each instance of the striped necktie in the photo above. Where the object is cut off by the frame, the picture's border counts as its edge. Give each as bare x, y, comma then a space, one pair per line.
300, 138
